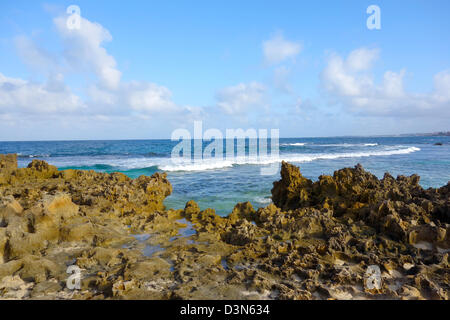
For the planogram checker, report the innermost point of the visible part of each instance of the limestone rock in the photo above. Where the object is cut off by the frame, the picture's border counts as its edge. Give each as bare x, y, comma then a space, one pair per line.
315, 241
13, 287
293, 190
8, 161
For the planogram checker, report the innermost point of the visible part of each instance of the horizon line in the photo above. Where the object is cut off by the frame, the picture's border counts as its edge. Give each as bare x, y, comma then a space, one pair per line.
310, 137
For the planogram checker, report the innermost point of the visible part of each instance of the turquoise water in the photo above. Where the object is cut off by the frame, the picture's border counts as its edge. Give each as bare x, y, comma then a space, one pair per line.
221, 183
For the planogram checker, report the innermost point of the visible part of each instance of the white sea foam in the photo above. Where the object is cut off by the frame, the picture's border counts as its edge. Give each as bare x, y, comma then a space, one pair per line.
301, 144
198, 165
296, 158
263, 200
347, 145
296, 144
167, 164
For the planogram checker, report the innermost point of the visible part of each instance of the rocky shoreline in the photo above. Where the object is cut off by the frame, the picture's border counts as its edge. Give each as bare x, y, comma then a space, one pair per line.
315, 241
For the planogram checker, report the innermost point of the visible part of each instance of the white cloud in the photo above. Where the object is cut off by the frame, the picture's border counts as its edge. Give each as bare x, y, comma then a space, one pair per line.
350, 82
18, 95
149, 97
361, 59
277, 49
237, 99
344, 77
393, 84
102, 97
138, 97
83, 50
106, 104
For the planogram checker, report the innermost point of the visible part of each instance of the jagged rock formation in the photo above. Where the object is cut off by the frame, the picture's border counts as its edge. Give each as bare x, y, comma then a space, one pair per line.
315, 241
398, 207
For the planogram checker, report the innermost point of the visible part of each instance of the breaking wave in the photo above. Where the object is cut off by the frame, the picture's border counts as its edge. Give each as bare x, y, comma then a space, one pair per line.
295, 158
169, 164
296, 144
347, 145
302, 144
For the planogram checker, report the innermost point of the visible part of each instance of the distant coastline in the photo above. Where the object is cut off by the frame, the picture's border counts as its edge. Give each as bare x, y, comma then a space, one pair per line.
433, 134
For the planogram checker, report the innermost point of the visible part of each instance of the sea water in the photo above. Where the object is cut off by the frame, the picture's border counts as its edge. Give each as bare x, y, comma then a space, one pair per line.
221, 182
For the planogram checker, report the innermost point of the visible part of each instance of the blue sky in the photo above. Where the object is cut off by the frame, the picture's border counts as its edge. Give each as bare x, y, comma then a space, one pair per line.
141, 69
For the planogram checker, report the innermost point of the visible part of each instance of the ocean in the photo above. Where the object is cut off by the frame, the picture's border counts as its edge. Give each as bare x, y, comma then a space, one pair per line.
221, 183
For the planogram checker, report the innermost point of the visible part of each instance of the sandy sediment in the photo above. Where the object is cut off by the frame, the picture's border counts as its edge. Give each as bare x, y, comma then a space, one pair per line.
315, 241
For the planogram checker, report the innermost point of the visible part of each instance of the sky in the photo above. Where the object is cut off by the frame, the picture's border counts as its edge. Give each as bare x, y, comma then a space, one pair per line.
142, 69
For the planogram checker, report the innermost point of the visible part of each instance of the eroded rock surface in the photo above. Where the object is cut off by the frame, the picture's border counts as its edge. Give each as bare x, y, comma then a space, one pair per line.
316, 241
